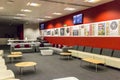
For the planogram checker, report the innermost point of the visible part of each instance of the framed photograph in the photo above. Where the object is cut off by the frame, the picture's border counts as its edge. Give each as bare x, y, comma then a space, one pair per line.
62, 31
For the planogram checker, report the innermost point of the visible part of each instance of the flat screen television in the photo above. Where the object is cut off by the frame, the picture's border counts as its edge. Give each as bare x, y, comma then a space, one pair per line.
42, 26
78, 19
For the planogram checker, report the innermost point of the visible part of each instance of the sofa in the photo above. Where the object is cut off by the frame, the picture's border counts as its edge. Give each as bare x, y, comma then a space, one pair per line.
108, 56
56, 48
5, 73
23, 47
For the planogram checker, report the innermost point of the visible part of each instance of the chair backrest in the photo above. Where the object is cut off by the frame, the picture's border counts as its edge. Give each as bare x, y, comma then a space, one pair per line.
81, 48
116, 53
107, 52
88, 49
96, 50
65, 49
75, 47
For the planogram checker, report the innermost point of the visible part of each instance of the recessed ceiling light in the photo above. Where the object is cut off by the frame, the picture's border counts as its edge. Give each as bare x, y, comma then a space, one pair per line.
40, 19
69, 9
48, 17
55, 13
1, 7
26, 10
17, 17
33, 4
92, 1
20, 14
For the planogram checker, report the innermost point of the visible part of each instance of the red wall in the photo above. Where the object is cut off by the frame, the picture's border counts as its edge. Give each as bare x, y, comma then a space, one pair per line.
103, 12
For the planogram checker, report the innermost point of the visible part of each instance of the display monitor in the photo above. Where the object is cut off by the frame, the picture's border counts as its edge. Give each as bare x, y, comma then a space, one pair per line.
78, 19
42, 26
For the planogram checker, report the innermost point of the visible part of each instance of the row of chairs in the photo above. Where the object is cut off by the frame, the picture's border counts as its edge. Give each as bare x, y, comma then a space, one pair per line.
104, 51
5, 74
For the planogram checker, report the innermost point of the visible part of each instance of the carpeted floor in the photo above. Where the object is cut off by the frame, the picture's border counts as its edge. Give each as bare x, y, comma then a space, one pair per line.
51, 67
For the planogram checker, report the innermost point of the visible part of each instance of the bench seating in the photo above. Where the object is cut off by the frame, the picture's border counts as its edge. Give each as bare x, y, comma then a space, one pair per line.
56, 49
5, 73
23, 47
109, 56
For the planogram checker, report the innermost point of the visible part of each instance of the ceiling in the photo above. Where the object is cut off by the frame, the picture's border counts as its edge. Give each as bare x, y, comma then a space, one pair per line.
10, 10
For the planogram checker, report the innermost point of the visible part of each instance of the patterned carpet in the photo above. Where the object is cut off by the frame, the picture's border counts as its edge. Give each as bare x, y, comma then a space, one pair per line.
56, 66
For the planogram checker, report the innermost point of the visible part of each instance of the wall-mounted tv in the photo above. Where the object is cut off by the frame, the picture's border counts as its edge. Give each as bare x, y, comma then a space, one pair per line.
78, 19
42, 26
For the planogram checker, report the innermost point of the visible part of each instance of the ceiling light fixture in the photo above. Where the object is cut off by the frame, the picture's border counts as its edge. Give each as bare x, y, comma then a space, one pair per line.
48, 17
55, 13
92, 1
69, 9
40, 19
1, 7
20, 14
26, 10
33, 4
17, 17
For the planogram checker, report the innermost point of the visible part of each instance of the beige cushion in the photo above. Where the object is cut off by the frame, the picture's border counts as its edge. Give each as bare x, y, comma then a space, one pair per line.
6, 74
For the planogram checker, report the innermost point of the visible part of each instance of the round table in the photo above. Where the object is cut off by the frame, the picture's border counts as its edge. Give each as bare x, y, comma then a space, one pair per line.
16, 53
26, 64
11, 56
66, 54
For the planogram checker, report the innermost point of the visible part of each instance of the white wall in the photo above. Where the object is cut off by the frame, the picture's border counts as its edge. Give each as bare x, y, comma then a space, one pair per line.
31, 31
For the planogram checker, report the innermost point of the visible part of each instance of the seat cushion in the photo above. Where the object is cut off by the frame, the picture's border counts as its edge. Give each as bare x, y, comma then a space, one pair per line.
26, 45
81, 48
88, 49
75, 47
107, 52
17, 46
96, 50
116, 53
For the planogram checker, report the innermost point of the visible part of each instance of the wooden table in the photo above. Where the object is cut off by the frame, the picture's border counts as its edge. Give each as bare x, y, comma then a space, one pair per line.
66, 54
16, 53
11, 56
94, 61
26, 64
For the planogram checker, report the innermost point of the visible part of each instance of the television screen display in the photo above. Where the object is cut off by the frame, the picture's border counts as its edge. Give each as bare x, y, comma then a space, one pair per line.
42, 26
78, 19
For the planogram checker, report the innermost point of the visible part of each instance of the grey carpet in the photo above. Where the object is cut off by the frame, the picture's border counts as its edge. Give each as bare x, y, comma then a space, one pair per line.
51, 67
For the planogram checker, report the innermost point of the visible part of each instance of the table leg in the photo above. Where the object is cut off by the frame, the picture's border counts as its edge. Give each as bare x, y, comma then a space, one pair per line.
20, 70
35, 68
96, 66
81, 63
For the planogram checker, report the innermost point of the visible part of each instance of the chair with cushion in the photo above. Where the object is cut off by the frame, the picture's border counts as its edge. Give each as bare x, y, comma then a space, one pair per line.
107, 52
75, 47
81, 48
114, 61
116, 53
96, 50
88, 49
